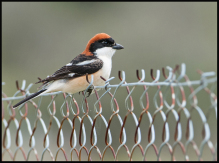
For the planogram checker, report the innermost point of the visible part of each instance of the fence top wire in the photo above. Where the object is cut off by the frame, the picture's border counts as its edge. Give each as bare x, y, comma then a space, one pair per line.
167, 82
171, 81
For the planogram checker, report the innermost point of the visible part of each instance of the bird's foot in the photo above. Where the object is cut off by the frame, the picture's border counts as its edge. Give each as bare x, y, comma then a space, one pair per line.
90, 90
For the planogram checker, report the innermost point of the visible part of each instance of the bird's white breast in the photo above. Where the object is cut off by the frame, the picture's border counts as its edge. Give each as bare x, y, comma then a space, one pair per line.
105, 54
107, 66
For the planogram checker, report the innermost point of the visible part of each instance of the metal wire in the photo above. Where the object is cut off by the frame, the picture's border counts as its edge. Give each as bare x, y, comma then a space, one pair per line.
164, 108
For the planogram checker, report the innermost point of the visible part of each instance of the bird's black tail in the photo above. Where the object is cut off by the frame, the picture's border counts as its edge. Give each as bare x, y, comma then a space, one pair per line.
29, 97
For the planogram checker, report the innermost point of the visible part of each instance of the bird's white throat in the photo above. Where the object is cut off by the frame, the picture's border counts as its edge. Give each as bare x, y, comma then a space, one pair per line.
105, 54
105, 51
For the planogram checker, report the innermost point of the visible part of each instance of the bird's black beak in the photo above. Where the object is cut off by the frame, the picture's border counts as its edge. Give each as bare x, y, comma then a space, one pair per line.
118, 47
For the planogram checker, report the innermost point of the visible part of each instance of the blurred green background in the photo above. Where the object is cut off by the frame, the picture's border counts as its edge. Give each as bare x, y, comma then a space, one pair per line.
40, 37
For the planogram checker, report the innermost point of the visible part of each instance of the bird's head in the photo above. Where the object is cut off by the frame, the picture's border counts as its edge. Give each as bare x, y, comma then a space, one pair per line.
101, 45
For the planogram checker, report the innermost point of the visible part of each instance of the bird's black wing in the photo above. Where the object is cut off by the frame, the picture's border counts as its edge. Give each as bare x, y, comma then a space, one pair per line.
79, 66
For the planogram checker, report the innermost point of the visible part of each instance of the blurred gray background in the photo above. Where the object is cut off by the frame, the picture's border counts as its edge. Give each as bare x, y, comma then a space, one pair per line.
40, 37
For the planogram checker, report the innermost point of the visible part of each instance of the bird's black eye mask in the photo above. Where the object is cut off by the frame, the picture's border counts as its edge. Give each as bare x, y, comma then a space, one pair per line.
109, 42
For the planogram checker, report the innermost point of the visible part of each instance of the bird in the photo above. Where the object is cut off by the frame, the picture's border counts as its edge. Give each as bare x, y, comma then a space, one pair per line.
95, 60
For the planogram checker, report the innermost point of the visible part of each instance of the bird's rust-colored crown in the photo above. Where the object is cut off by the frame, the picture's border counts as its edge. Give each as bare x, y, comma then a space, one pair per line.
97, 37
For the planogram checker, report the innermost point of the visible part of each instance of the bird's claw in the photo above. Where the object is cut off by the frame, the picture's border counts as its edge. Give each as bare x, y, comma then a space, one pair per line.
90, 90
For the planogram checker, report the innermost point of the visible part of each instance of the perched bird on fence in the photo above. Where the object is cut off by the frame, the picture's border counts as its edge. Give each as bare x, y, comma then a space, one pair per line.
95, 60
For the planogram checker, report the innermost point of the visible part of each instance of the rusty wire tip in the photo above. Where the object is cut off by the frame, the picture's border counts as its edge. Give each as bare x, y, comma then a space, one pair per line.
18, 88
199, 71
39, 78
164, 74
152, 76
120, 75
87, 78
102, 78
176, 68
137, 73
17, 85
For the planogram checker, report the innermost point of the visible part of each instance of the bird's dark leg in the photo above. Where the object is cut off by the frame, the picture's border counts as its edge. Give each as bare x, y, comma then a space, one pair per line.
90, 90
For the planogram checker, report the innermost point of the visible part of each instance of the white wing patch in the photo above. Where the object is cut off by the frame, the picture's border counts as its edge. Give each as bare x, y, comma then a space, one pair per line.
71, 74
86, 62
69, 64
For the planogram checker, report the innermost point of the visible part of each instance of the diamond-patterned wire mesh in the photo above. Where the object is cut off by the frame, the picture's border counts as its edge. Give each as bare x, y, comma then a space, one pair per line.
169, 123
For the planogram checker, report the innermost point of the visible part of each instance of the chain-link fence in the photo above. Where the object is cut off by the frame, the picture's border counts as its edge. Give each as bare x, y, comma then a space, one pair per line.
168, 122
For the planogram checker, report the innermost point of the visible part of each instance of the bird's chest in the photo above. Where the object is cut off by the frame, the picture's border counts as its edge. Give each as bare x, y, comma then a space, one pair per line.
104, 71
